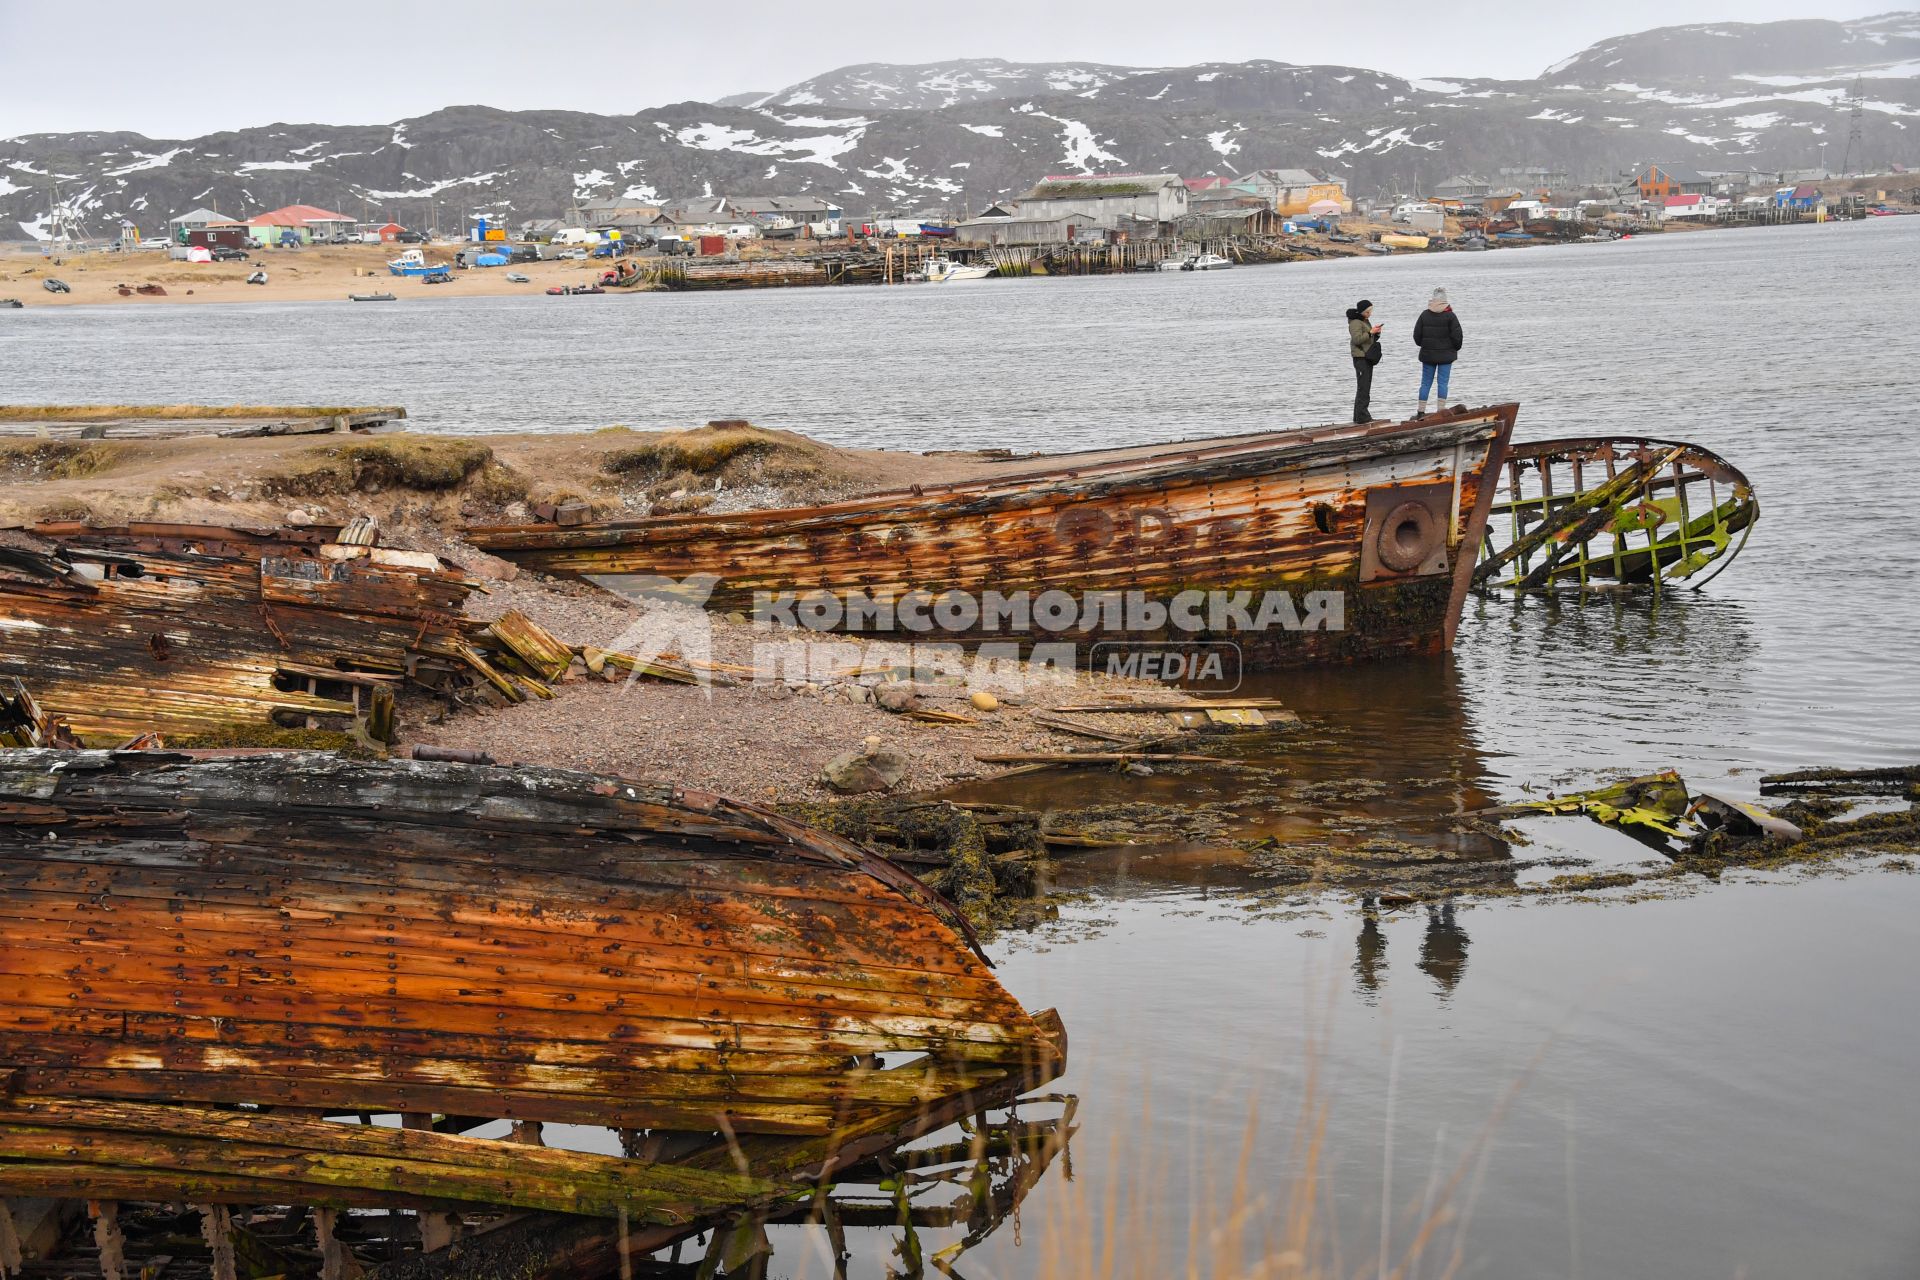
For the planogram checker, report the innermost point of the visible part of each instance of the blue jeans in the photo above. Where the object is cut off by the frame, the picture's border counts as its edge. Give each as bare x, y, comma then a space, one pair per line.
1426, 378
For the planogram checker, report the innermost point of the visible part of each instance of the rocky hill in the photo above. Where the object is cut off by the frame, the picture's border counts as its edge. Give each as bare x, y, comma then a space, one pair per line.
878, 137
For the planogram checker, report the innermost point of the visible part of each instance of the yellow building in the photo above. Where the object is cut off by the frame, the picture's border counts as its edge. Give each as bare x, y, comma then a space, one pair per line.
1292, 191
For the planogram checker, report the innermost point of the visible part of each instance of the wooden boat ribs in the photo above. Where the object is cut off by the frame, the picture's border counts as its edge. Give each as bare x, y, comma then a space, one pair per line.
205, 956
1615, 511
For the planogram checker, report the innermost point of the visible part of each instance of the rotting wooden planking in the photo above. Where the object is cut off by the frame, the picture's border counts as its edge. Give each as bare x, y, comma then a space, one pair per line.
1322, 510
195, 629
186, 933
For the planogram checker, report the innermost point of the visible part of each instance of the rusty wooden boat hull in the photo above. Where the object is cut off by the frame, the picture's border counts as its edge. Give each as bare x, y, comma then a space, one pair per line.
1300, 512
192, 630
187, 934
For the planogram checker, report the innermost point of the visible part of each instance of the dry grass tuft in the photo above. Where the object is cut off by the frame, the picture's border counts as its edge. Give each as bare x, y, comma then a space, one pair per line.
39, 459
419, 463
728, 448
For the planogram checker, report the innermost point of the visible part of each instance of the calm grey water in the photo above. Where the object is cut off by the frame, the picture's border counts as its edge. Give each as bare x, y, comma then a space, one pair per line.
1724, 1081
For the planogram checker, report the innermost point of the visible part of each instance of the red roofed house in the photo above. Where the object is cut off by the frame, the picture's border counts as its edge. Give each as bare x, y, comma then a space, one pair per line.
299, 224
1688, 206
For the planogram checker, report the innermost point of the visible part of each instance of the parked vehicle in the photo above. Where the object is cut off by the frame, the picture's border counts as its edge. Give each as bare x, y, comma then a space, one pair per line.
411, 237
572, 255
225, 254
525, 253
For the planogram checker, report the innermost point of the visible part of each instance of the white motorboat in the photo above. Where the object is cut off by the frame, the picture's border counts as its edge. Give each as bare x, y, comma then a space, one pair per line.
1206, 262
1175, 264
942, 269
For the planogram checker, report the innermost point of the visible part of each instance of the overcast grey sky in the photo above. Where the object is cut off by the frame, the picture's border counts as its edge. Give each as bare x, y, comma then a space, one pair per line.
172, 71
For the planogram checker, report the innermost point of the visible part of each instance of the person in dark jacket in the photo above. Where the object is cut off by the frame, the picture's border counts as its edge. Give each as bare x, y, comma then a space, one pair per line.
1363, 344
1437, 334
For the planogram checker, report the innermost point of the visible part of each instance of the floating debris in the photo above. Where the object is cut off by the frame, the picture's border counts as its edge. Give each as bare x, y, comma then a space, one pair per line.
1604, 510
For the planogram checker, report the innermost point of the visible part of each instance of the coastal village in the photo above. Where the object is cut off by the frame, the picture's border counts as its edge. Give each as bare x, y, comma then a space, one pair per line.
1063, 224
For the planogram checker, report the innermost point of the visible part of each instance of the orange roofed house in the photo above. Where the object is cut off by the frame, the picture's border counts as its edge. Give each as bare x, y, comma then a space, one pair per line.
299, 224
1658, 181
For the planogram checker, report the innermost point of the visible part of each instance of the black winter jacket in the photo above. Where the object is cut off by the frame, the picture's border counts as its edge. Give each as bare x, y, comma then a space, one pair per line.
1438, 335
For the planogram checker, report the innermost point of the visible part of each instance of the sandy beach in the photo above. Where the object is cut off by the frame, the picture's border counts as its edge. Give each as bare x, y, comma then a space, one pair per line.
317, 273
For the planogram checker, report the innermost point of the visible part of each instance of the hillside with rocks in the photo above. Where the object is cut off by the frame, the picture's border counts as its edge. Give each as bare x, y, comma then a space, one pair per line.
959, 135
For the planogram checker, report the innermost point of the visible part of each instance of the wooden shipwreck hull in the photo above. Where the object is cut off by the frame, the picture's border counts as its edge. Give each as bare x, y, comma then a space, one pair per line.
194, 629
202, 957
1386, 515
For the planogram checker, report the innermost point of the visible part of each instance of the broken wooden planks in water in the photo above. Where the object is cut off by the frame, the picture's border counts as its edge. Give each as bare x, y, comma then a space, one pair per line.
1604, 510
1096, 757
151, 422
186, 933
1272, 707
1272, 527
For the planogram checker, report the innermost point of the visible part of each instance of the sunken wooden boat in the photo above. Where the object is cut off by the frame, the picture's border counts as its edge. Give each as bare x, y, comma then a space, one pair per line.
1384, 517
211, 963
1614, 511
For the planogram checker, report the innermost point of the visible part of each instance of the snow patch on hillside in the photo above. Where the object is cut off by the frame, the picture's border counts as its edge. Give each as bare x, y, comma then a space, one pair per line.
159, 160
818, 149
985, 130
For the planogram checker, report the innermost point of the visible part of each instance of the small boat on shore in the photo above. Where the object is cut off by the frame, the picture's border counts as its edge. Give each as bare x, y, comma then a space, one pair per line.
414, 263
10, 304
1402, 240
373, 297
1382, 516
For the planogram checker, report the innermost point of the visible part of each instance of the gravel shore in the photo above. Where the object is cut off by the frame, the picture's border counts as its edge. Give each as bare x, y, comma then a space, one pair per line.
754, 740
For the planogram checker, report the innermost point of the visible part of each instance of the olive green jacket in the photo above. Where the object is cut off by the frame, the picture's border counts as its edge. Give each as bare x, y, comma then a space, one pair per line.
1359, 337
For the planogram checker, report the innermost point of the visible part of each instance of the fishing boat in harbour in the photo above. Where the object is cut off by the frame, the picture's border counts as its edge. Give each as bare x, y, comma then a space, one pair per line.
217, 964
1206, 262
1378, 521
941, 269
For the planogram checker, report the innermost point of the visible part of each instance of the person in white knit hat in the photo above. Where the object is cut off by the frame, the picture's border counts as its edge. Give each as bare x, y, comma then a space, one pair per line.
1437, 334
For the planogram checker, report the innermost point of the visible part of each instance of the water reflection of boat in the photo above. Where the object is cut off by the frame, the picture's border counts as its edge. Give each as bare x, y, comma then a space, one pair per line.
1372, 515
1615, 510
217, 952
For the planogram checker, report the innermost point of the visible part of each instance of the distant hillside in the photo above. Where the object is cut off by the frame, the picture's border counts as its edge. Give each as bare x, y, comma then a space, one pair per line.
961, 134
882, 86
